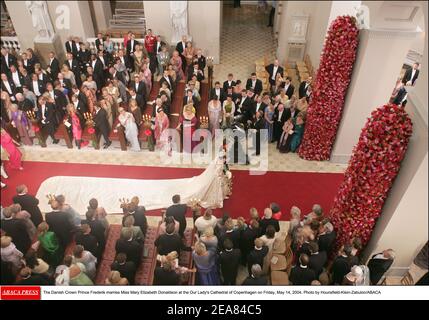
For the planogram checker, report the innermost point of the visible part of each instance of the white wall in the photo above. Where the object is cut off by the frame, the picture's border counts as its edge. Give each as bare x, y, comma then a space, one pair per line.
80, 19
157, 14
204, 26
103, 13
319, 23
203, 22
22, 23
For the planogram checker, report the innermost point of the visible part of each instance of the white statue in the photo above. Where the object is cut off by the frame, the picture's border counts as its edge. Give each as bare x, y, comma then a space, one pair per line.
362, 17
179, 19
41, 20
297, 29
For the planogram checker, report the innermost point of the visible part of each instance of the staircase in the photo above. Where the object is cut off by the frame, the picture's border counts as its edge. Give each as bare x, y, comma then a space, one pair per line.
129, 15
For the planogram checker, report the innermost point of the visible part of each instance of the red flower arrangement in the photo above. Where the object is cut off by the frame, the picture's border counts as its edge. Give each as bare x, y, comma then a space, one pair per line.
372, 169
36, 128
91, 130
148, 132
331, 83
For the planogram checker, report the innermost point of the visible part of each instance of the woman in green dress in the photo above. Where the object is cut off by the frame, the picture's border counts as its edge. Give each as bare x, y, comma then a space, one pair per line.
298, 132
51, 252
228, 112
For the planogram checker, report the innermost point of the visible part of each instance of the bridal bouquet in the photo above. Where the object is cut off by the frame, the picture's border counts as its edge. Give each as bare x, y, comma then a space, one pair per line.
372, 169
332, 81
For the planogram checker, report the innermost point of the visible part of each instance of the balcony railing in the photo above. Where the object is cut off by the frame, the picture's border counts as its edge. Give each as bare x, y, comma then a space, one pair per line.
11, 43
118, 43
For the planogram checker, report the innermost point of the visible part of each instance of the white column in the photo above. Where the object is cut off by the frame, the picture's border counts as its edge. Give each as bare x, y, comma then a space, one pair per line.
380, 56
204, 26
103, 13
406, 231
80, 19
157, 15
22, 24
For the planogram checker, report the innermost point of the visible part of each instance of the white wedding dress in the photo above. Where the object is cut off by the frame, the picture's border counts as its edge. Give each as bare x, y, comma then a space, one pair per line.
153, 194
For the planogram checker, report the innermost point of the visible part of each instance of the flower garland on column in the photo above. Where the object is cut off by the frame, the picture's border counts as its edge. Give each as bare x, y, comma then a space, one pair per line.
331, 83
372, 169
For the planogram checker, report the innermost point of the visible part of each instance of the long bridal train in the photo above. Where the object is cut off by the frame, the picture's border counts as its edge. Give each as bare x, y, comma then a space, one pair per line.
210, 187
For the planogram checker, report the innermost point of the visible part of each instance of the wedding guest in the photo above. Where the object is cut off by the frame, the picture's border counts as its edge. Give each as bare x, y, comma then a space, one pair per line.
207, 220
168, 220
77, 277
9, 253
20, 121
178, 212
97, 227
302, 275
102, 124
315, 214
52, 253
273, 70
129, 225
161, 124
138, 213
379, 264
176, 63
14, 155
88, 241
215, 114
169, 242
133, 249
229, 261
75, 125
29, 279
255, 84
285, 139
136, 112
247, 239
28, 203
205, 263
342, 265
268, 220
297, 133
305, 88
209, 239
256, 277
59, 223
127, 269
295, 220
188, 123
166, 275
317, 259
411, 75
36, 264
326, 236
228, 111
257, 255
163, 58
23, 215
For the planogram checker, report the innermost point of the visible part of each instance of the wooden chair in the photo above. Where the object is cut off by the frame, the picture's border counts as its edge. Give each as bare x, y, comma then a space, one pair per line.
281, 263
407, 280
279, 278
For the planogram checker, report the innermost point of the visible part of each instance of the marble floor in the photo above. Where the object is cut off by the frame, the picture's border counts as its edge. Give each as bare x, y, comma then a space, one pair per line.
245, 38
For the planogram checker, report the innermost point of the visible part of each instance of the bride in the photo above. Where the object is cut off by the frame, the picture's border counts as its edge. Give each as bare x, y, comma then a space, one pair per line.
211, 187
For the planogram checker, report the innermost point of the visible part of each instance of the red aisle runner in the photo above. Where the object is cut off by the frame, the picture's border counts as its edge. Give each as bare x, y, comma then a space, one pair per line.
302, 189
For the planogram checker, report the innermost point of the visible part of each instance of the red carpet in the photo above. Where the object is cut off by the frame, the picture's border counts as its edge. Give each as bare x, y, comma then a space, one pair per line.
302, 189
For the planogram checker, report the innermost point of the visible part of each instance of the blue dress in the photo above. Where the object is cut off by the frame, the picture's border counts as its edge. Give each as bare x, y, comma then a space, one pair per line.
207, 270
269, 126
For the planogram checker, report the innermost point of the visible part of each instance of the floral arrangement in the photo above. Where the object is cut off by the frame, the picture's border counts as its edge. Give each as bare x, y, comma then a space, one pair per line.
331, 83
372, 169
91, 130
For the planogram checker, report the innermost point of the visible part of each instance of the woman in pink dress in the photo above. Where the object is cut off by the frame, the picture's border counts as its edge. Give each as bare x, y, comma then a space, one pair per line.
188, 124
176, 62
161, 123
75, 119
9, 145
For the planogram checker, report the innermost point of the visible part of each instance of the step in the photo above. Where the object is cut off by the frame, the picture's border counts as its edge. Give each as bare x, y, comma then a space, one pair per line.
127, 17
129, 11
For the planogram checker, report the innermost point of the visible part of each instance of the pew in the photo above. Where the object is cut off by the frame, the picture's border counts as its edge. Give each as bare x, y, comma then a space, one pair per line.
62, 133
